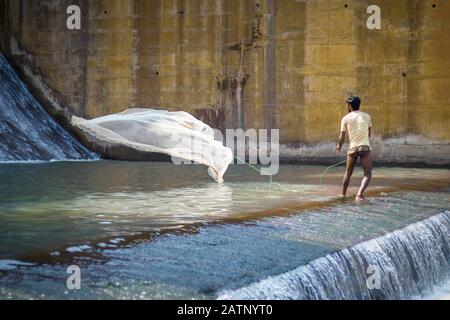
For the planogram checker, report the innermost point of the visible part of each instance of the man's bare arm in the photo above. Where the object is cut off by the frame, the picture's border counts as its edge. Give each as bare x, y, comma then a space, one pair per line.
341, 141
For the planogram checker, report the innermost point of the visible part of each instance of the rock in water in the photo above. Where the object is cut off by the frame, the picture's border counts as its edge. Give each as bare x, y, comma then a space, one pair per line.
27, 132
177, 134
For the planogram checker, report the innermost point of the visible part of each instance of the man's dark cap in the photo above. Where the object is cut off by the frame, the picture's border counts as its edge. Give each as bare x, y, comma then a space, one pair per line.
354, 101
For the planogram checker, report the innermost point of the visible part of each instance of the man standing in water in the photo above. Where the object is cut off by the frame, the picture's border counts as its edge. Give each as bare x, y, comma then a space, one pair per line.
358, 125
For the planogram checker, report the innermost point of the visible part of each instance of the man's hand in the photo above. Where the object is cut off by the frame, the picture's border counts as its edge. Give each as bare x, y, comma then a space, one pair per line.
341, 141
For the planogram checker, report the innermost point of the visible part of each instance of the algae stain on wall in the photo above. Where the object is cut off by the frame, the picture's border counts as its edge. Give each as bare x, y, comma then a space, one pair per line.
254, 64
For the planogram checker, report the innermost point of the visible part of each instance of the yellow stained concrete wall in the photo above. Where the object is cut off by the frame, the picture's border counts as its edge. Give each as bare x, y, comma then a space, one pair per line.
184, 55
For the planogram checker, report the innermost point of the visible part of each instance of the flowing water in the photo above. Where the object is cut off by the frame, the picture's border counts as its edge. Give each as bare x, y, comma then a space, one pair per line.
27, 132
156, 230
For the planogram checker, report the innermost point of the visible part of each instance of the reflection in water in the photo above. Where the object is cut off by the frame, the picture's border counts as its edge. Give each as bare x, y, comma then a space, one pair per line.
102, 215
226, 257
48, 207
156, 230
142, 211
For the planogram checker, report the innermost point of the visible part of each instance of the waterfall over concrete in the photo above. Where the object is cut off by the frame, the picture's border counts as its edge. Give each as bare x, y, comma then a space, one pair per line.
408, 262
27, 132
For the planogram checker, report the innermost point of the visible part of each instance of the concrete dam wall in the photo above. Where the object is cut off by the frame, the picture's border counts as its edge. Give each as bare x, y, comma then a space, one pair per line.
275, 64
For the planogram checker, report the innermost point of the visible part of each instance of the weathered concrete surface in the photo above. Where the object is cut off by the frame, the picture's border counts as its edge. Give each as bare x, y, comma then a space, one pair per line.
245, 63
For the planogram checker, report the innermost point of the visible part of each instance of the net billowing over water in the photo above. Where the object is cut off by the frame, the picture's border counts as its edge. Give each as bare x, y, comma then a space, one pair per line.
178, 134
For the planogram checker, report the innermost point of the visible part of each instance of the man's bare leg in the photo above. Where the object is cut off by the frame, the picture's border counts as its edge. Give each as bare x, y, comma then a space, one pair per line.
351, 162
366, 162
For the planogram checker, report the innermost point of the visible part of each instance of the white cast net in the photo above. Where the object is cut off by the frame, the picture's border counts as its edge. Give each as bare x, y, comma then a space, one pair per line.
178, 134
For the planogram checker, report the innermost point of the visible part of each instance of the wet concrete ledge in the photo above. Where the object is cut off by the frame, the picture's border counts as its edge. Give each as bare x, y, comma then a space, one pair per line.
408, 151
385, 154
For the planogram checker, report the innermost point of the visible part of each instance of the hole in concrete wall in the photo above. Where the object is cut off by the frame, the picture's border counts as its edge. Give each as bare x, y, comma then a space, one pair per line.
181, 12
157, 73
346, 6
404, 74
106, 12
257, 4
434, 6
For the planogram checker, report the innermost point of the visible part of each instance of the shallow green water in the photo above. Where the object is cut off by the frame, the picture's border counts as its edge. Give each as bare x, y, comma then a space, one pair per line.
150, 230
50, 206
